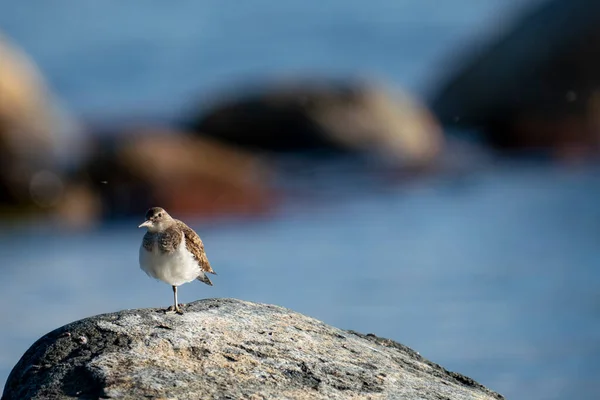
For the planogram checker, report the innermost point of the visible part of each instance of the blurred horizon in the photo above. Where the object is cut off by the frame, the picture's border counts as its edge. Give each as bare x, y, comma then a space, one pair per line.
162, 79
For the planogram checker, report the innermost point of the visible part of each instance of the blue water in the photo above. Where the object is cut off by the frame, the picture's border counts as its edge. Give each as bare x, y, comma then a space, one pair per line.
494, 273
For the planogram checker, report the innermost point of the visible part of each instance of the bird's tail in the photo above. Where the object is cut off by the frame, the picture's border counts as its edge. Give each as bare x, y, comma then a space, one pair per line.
203, 278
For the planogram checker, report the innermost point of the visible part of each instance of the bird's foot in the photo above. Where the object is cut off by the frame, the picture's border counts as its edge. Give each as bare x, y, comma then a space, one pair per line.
175, 310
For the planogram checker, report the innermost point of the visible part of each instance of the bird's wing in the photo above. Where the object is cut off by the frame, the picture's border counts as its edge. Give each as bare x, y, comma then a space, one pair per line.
196, 247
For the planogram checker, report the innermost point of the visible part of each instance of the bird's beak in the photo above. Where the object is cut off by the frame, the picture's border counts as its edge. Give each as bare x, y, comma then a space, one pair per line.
147, 223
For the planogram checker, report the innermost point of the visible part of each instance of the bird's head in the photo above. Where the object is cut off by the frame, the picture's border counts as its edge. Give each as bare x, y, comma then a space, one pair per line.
157, 219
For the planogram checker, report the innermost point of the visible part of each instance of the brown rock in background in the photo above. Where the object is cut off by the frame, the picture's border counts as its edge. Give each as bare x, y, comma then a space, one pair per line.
152, 166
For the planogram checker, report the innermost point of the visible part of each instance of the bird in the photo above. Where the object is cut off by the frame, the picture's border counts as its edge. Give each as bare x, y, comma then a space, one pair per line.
172, 252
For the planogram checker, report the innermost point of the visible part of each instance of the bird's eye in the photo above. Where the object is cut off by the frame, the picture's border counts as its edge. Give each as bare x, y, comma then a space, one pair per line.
159, 215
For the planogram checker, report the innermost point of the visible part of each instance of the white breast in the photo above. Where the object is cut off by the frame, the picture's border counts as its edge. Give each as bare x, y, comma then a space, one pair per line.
175, 268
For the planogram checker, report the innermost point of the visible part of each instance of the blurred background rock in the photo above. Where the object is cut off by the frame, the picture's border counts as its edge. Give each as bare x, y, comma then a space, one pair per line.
324, 116
386, 167
39, 141
185, 173
535, 88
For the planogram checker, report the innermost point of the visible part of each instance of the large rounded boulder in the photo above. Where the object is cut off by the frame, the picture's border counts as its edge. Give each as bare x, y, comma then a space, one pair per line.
226, 349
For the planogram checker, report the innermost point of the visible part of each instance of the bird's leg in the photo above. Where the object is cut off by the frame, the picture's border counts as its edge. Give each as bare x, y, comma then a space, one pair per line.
175, 306
175, 297
177, 309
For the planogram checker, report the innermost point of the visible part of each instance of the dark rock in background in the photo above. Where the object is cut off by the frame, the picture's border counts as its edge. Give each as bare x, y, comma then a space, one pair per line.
226, 348
322, 115
537, 87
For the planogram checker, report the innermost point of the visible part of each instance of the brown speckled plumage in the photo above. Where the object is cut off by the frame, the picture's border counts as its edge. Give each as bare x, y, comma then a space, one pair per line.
169, 239
195, 246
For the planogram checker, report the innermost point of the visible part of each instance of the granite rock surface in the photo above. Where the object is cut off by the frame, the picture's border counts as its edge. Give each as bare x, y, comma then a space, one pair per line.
226, 349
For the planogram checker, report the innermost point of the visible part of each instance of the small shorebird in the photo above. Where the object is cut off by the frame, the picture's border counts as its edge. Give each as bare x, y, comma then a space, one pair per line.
172, 252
